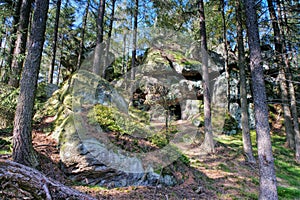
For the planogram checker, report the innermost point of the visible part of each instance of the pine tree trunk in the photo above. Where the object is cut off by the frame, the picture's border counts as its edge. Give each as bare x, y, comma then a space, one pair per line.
23, 151
288, 124
134, 40
227, 74
81, 46
54, 44
268, 184
125, 61
20, 44
110, 28
247, 145
208, 144
60, 60
98, 54
16, 19
293, 101
3, 55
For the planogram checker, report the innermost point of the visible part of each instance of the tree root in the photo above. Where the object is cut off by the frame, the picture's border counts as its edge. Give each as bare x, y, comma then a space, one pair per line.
18, 181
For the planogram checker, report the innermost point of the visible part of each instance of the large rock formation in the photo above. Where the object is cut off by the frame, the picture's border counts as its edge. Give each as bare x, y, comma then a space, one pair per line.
167, 88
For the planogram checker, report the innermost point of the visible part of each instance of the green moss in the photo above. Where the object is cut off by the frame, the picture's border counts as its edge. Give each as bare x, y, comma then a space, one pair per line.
139, 115
160, 140
163, 137
230, 124
184, 159
110, 119
105, 116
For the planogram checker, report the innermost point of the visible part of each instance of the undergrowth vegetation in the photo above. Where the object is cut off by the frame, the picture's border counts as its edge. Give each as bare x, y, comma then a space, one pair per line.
287, 170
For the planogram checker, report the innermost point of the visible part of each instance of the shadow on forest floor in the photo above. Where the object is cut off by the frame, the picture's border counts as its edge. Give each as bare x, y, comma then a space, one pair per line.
223, 175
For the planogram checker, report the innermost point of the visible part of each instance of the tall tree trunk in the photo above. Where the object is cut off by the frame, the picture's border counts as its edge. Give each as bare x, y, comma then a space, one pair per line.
247, 145
110, 28
208, 143
98, 64
20, 44
23, 151
125, 60
227, 75
293, 101
134, 40
288, 124
3, 55
268, 184
16, 19
81, 46
60, 59
54, 43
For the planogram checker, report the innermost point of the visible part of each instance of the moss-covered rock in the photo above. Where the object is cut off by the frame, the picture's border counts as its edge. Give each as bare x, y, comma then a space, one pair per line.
230, 125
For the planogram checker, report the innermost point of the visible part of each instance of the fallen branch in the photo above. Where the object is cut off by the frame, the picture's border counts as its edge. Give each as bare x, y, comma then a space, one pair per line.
16, 178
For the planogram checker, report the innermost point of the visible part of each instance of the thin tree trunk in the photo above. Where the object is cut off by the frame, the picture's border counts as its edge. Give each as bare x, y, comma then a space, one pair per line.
16, 19
20, 44
3, 56
288, 124
268, 183
84, 20
208, 143
60, 60
227, 75
125, 60
134, 40
293, 101
23, 151
110, 28
247, 145
54, 43
98, 64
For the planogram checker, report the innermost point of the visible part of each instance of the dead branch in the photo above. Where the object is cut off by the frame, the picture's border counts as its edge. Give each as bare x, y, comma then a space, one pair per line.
16, 178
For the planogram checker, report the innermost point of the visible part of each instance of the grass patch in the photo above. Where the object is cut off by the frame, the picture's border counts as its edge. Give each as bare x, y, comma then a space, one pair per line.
287, 171
224, 167
288, 193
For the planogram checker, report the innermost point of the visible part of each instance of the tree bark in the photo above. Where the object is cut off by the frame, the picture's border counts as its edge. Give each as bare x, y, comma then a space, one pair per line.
98, 54
33, 183
60, 59
20, 44
208, 143
134, 40
3, 55
268, 184
293, 101
227, 75
81, 46
23, 151
125, 60
54, 43
110, 28
247, 144
16, 19
288, 124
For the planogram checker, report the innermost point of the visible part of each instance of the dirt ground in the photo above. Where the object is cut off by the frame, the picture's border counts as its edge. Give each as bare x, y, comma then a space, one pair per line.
207, 177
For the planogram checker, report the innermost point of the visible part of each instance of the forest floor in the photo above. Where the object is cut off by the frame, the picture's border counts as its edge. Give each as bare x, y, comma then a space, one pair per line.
223, 175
